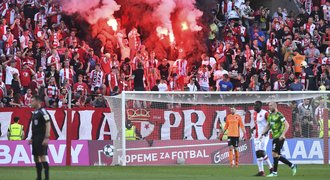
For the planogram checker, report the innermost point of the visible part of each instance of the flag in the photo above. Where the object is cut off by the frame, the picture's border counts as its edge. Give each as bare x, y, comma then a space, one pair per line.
146, 129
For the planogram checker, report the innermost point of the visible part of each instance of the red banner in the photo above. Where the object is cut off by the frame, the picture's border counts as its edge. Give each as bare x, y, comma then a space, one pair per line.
192, 123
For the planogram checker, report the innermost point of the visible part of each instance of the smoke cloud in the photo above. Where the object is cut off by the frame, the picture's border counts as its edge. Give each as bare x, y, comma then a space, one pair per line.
91, 10
160, 23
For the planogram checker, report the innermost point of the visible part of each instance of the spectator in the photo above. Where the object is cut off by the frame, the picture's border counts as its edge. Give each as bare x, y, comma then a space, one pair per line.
280, 84
8, 40
27, 98
106, 63
312, 54
203, 78
24, 39
63, 98
99, 102
218, 74
25, 77
10, 71
40, 77
155, 87
295, 119
16, 84
77, 65
139, 77
66, 73
164, 68
9, 99
225, 84
80, 87
97, 78
192, 85
296, 85
305, 112
162, 86
111, 81
235, 74
54, 60
91, 60
310, 78
51, 93
298, 60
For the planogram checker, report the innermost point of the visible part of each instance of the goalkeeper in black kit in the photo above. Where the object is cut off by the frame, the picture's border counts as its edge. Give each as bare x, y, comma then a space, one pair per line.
40, 136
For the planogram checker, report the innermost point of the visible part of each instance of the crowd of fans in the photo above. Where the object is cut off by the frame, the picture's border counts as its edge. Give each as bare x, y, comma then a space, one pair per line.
249, 50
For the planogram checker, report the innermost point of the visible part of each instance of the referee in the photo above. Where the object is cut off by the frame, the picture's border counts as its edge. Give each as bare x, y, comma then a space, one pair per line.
40, 136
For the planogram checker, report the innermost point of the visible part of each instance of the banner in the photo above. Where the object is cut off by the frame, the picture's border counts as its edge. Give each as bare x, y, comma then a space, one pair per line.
301, 151
18, 153
169, 152
87, 124
189, 122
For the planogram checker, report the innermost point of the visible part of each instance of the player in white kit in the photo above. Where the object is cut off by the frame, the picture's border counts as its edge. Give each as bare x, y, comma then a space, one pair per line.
260, 142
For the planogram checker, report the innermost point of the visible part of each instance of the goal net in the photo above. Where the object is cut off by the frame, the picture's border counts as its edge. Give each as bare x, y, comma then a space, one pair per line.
163, 128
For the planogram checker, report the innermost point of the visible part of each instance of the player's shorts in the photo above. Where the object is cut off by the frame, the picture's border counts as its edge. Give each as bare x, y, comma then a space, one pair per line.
260, 144
37, 148
233, 141
277, 145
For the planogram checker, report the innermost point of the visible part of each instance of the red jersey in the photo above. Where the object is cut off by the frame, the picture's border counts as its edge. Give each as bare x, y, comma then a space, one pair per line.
55, 18
9, 40
80, 87
27, 100
40, 77
106, 66
18, 62
55, 38
2, 30
30, 62
25, 77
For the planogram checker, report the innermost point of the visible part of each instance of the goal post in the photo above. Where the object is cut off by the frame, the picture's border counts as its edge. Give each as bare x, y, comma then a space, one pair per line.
193, 117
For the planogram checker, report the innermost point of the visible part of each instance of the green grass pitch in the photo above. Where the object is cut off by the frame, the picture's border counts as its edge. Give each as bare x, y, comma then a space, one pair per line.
305, 172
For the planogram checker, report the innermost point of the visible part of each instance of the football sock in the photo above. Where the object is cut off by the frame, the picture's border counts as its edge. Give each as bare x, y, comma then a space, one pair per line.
285, 161
39, 169
260, 164
236, 156
275, 164
46, 167
230, 156
268, 162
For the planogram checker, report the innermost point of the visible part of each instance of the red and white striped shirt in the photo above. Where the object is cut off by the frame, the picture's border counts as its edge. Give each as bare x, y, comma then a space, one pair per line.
52, 91
181, 64
66, 73
3, 6
96, 79
113, 80
40, 18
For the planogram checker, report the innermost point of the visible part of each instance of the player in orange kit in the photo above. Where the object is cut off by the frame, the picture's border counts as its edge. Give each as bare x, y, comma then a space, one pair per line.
233, 124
